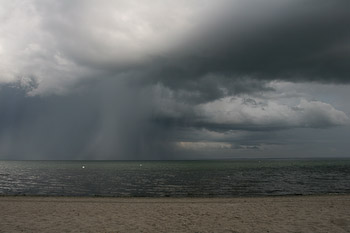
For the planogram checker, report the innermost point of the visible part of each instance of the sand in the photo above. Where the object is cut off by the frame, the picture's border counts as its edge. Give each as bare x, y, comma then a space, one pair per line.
330, 213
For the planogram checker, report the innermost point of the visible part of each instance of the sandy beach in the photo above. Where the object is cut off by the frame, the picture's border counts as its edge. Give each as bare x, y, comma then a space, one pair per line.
329, 213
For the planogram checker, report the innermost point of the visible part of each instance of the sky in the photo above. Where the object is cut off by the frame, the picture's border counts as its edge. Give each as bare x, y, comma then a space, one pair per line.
186, 79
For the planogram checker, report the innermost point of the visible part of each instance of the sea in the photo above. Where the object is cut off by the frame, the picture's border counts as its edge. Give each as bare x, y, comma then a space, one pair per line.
212, 178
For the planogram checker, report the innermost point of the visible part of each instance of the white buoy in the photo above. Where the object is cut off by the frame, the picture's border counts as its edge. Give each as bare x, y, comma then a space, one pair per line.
83, 166
140, 164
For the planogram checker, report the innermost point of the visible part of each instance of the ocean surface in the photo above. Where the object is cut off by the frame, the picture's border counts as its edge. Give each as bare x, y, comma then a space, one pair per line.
175, 178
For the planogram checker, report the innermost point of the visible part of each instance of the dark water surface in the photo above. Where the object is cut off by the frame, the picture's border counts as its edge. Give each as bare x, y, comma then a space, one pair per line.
174, 178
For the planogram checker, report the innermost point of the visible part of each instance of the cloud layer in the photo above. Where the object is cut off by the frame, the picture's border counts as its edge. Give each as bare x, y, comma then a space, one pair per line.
176, 44
133, 80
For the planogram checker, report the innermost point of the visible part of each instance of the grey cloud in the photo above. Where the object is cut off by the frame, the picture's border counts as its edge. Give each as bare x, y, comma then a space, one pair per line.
129, 80
253, 42
291, 40
251, 114
291, 143
117, 119
95, 122
212, 87
208, 46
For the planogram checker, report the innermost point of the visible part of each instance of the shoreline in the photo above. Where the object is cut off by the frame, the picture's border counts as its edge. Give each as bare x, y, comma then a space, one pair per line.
321, 213
175, 197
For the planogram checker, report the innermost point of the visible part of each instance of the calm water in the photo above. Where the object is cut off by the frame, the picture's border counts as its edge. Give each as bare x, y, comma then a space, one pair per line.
174, 178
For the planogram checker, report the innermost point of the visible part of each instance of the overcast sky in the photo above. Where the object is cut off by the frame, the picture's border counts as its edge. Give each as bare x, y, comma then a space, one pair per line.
186, 79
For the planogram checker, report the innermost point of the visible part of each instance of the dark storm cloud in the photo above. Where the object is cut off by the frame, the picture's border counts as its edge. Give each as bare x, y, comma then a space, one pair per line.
255, 117
117, 119
94, 122
240, 46
225, 48
267, 40
238, 51
129, 80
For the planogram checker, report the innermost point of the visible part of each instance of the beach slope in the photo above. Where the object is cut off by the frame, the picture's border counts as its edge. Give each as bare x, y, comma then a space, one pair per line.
329, 213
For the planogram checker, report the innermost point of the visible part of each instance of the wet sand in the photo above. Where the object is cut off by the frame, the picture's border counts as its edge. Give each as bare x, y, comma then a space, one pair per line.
329, 213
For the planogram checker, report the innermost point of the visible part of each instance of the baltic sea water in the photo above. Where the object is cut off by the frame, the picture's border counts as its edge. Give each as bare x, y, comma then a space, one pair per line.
175, 178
